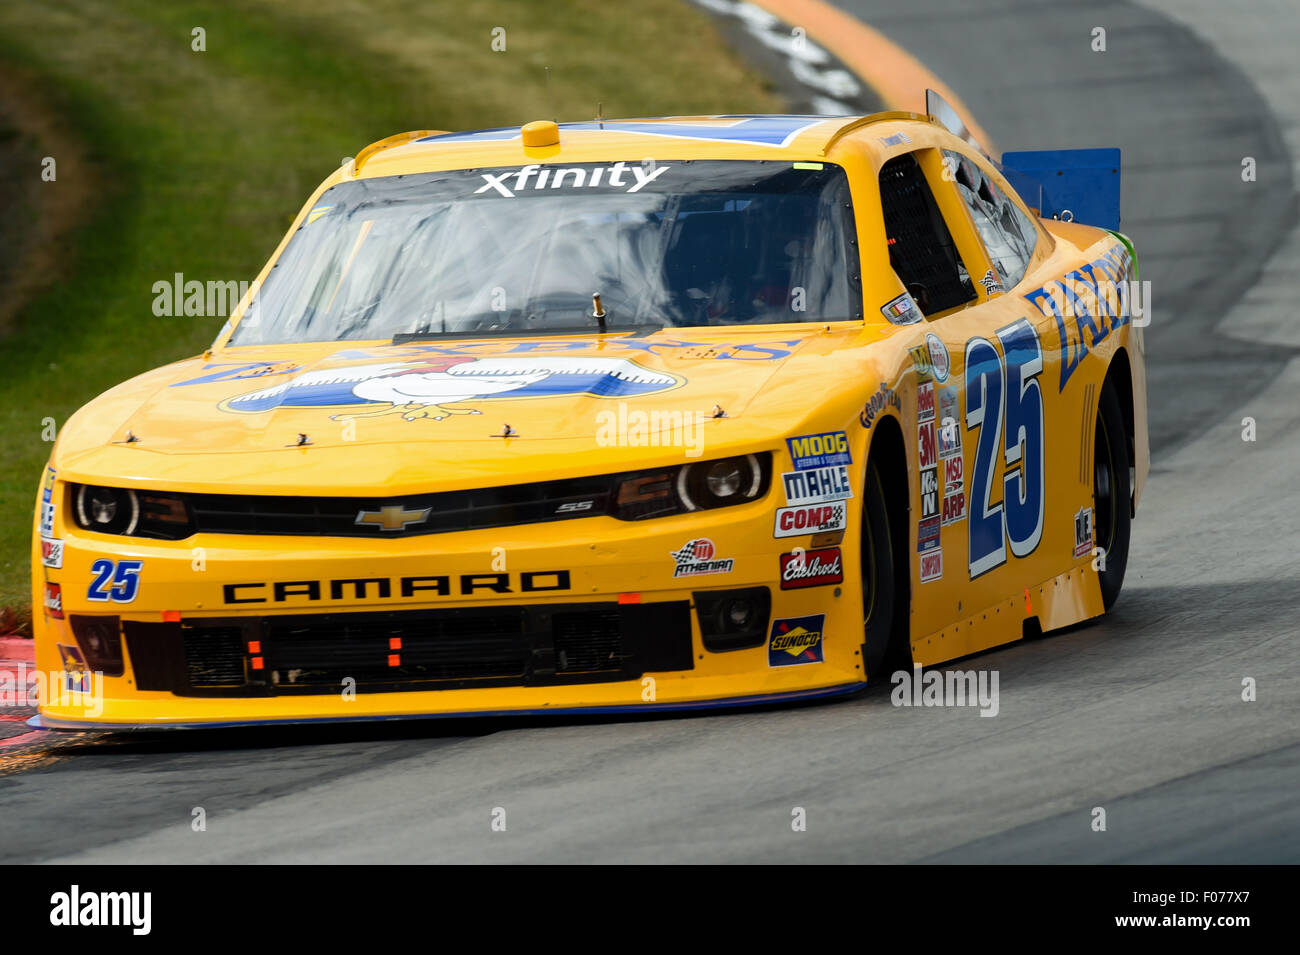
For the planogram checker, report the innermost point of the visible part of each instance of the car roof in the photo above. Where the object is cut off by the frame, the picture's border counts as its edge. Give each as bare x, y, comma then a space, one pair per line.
774, 136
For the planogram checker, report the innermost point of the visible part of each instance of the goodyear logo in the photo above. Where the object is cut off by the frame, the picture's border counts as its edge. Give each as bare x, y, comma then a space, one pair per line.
825, 450
796, 640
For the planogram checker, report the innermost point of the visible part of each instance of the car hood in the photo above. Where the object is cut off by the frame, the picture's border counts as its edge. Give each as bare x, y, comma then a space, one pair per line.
454, 400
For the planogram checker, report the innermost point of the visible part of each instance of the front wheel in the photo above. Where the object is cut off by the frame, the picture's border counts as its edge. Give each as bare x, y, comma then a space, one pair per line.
1110, 495
882, 581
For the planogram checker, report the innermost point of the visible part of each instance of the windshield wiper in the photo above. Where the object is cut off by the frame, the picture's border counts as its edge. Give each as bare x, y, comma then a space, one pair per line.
642, 329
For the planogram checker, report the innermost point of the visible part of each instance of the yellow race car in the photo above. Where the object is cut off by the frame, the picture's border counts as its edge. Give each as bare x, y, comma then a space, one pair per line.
612, 416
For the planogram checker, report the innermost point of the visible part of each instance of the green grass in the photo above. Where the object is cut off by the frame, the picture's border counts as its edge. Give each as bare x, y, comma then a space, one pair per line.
196, 162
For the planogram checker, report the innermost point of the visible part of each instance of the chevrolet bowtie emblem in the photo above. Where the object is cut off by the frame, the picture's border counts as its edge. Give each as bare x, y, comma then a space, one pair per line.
393, 517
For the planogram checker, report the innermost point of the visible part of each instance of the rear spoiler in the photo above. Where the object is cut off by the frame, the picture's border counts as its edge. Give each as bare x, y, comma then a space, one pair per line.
1075, 185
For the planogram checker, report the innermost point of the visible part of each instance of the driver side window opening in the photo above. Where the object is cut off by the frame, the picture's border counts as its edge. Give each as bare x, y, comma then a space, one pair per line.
921, 248
1008, 235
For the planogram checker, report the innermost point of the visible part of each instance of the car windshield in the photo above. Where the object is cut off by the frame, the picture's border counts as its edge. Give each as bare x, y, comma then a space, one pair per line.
522, 249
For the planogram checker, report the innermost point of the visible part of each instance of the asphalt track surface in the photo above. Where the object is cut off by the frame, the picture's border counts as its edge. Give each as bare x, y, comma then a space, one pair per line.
1140, 714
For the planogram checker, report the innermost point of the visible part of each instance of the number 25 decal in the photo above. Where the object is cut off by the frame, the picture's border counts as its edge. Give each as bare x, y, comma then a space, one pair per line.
117, 582
1003, 396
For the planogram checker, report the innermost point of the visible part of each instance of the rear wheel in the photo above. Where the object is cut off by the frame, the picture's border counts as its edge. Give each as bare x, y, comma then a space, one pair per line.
884, 583
1111, 494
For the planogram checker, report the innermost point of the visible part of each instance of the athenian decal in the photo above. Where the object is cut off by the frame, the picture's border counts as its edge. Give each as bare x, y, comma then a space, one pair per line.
437, 387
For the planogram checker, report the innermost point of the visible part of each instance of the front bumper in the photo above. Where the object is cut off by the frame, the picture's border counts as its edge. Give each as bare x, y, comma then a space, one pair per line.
588, 616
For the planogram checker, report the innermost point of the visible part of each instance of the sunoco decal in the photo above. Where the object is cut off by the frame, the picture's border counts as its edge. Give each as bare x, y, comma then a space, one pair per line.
796, 640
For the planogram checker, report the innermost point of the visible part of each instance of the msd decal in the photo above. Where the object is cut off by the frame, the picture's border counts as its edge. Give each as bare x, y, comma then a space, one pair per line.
796, 640
436, 387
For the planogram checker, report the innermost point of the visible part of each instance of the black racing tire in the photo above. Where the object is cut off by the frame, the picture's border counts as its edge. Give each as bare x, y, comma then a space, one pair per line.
1111, 494
884, 593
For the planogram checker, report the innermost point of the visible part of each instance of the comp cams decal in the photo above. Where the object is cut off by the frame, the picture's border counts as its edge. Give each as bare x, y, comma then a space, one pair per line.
811, 568
698, 557
810, 519
1003, 397
796, 640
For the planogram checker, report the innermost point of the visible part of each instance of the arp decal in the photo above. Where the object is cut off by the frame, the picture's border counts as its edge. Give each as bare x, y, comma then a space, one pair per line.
931, 566
817, 486
797, 640
824, 450
437, 387
698, 557
811, 568
1083, 532
117, 581
885, 397
52, 552
1004, 397
1085, 320
810, 519
421, 587
47, 504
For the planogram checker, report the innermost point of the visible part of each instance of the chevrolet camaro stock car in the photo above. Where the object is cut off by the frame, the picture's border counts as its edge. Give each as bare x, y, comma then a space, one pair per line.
613, 416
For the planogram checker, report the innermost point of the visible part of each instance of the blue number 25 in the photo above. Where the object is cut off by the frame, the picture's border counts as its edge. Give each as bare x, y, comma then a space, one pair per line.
1003, 398
124, 577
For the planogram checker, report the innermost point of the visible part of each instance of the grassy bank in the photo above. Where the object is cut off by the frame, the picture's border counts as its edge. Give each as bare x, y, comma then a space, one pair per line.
196, 161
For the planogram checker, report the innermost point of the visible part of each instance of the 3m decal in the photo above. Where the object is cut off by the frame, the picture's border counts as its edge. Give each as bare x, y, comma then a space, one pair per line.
1083, 532
118, 581
796, 640
929, 492
1005, 393
817, 486
811, 568
810, 451
885, 397
927, 446
52, 552
925, 401
931, 566
437, 387
698, 557
810, 519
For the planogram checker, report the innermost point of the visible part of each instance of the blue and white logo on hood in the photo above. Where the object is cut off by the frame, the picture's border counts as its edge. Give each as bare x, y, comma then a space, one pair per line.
425, 388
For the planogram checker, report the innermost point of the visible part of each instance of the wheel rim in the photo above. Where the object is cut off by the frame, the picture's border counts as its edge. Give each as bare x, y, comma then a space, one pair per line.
1103, 488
